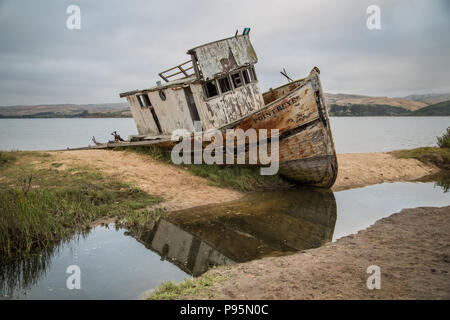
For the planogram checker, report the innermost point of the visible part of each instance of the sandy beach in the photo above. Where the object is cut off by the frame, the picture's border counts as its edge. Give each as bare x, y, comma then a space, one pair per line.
182, 190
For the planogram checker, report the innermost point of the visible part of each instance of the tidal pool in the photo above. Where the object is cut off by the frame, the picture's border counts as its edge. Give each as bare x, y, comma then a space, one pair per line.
116, 265
113, 266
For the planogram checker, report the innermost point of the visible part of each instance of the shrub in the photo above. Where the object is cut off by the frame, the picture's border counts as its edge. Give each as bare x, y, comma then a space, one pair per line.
444, 140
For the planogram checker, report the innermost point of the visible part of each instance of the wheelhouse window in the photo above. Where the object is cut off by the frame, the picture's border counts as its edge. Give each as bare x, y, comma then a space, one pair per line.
253, 74
237, 79
229, 82
211, 89
224, 84
246, 76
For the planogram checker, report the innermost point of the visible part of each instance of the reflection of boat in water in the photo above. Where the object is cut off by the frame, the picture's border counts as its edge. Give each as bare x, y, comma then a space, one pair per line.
261, 224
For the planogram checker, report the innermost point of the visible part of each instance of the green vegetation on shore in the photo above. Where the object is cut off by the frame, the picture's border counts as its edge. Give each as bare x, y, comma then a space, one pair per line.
241, 178
362, 110
6, 157
81, 114
444, 140
439, 156
189, 287
43, 202
438, 109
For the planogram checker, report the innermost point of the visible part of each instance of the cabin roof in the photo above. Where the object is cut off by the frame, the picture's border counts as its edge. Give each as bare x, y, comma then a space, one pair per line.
175, 83
223, 56
191, 51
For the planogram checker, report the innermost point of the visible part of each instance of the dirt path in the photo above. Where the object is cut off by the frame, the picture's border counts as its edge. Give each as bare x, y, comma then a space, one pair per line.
179, 188
182, 190
412, 249
361, 169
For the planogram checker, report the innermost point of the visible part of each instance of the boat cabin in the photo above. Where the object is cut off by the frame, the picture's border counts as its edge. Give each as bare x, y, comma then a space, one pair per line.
217, 86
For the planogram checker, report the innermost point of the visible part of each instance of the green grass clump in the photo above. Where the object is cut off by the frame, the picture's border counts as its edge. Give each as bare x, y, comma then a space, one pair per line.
440, 157
153, 151
238, 177
444, 140
143, 218
40, 205
7, 157
434, 155
189, 287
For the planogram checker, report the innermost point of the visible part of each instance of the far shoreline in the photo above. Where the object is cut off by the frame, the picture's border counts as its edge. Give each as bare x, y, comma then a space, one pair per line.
331, 116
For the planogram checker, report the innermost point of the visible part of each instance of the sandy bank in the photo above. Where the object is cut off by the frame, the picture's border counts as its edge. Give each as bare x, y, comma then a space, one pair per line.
182, 190
179, 188
361, 169
410, 247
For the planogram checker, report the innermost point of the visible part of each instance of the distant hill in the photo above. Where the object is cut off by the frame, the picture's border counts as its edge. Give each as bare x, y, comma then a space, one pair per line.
357, 105
358, 110
438, 109
338, 105
429, 98
103, 110
341, 99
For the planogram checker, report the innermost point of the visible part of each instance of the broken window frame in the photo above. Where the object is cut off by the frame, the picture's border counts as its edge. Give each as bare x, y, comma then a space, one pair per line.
228, 83
233, 81
246, 76
205, 89
245, 80
252, 72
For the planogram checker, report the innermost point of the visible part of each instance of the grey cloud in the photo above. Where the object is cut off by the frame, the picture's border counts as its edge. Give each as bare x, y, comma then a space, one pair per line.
124, 44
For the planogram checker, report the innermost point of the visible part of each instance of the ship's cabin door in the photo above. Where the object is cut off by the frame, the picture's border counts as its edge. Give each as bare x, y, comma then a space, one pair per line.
191, 104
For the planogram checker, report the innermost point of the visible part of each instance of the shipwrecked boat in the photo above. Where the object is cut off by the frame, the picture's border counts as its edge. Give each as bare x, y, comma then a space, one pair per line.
218, 87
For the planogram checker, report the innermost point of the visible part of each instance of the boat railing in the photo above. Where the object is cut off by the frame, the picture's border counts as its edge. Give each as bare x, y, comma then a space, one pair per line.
184, 68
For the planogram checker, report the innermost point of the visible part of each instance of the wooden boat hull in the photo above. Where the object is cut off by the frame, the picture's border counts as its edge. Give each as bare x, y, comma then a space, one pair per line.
306, 148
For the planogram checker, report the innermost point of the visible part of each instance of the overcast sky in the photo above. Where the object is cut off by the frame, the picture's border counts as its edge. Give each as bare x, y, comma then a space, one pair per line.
122, 45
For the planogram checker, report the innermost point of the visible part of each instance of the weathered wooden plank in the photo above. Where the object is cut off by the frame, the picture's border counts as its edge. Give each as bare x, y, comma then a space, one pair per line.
225, 55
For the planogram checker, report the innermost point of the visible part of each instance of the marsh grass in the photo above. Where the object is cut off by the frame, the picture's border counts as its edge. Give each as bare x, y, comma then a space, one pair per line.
237, 177
58, 203
189, 287
142, 219
7, 157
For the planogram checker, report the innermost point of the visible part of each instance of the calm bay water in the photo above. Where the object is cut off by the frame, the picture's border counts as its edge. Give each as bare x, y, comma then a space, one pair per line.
351, 134
55, 134
377, 134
